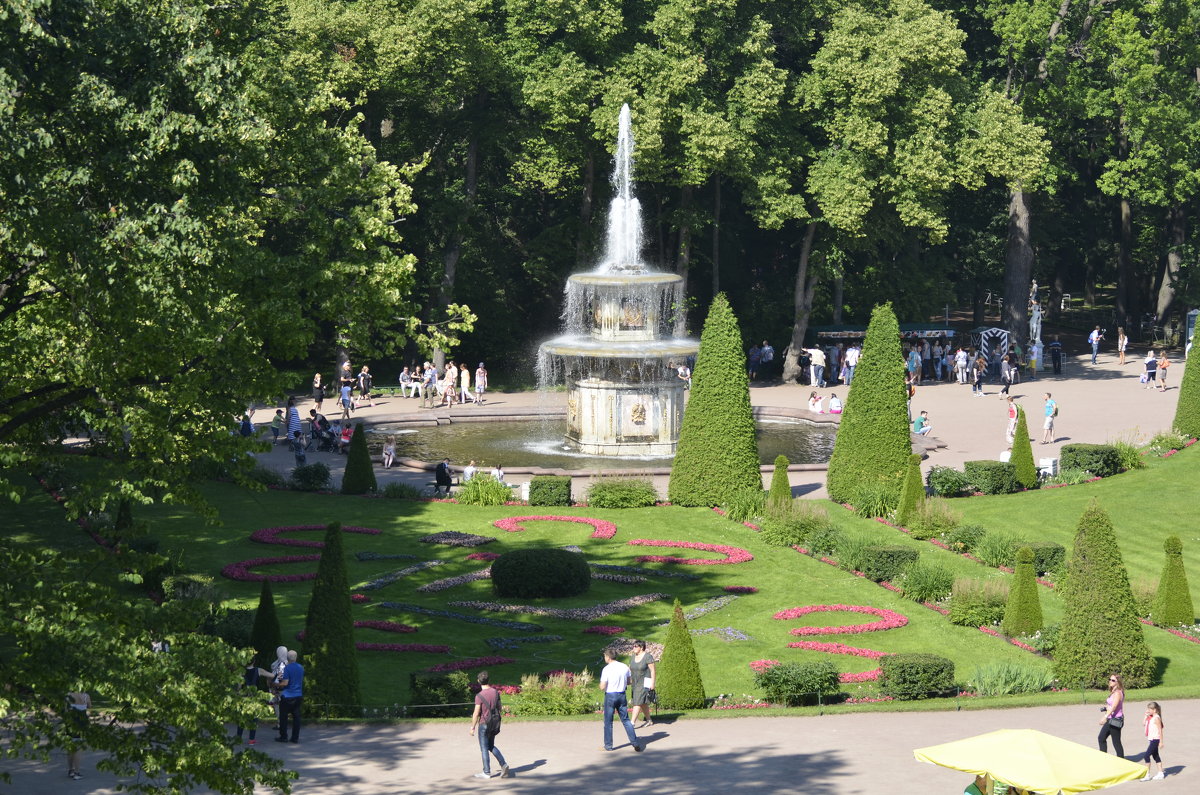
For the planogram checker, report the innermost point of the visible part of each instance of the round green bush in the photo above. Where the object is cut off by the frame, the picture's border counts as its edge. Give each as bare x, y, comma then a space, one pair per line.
537, 573
947, 481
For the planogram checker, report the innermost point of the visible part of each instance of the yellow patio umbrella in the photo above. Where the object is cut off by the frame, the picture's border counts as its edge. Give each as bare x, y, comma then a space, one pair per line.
1034, 761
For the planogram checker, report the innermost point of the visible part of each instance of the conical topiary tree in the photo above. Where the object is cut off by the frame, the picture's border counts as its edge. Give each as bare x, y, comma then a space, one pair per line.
359, 477
912, 493
717, 456
779, 498
1173, 600
265, 636
1100, 633
1023, 613
331, 661
679, 685
1187, 410
1022, 453
873, 441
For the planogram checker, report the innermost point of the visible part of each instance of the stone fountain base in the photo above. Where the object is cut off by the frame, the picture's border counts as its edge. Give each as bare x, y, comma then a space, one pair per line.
609, 418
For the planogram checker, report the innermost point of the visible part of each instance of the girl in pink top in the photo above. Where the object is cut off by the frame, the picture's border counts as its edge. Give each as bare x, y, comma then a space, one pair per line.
1154, 733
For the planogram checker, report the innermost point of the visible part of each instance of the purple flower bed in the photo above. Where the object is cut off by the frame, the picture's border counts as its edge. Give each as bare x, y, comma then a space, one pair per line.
727, 634
450, 582
392, 576
680, 575
508, 644
704, 608
489, 556
425, 648
602, 629
519, 626
625, 579
740, 589
569, 613
366, 555
454, 538
474, 662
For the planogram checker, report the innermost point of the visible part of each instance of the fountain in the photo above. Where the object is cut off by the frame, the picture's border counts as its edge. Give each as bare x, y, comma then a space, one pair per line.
624, 329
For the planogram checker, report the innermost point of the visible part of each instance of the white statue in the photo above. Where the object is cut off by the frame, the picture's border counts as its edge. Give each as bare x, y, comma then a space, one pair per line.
1035, 324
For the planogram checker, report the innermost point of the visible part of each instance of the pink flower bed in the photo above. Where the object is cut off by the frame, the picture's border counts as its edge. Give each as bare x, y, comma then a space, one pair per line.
483, 556
462, 665
1013, 641
359, 598
424, 648
732, 554
383, 626
740, 589
241, 569
601, 629
888, 619
270, 535
758, 666
837, 648
759, 705
868, 700
865, 676
1176, 632
601, 528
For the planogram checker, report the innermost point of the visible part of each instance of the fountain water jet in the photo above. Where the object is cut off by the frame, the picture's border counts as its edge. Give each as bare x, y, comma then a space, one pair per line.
624, 329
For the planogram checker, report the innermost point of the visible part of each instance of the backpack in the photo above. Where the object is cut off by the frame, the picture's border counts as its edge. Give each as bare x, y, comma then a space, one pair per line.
492, 725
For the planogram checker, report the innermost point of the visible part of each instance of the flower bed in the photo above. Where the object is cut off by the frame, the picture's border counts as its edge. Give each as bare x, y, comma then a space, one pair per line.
600, 527
603, 629
270, 535
732, 554
758, 666
569, 613
241, 570
473, 662
837, 648
1179, 633
520, 626
679, 575
387, 579
489, 556
424, 648
740, 589
727, 634
624, 579
450, 582
453, 538
888, 619
504, 644
365, 555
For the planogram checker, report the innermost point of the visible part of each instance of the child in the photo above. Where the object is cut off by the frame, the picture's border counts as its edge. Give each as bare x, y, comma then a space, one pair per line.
344, 440
1154, 733
835, 404
389, 452
276, 425
298, 447
816, 403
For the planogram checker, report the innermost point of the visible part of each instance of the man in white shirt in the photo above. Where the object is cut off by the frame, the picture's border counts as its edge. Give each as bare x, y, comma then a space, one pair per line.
852, 354
613, 681
817, 368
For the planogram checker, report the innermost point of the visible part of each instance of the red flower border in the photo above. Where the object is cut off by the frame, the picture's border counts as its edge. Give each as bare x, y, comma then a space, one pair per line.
888, 619
270, 535
600, 527
732, 555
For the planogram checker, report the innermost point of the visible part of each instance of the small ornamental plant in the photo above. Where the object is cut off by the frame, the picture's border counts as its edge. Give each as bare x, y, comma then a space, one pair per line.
265, 636
1172, 605
912, 493
1023, 613
359, 477
1022, 454
679, 685
779, 498
331, 677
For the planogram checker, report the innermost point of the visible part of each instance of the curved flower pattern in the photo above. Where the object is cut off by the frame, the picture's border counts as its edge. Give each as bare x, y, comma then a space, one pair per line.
569, 613
450, 582
740, 589
270, 535
241, 569
888, 619
837, 648
600, 528
473, 662
483, 556
602, 629
425, 648
732, 554
389, 578
454, 538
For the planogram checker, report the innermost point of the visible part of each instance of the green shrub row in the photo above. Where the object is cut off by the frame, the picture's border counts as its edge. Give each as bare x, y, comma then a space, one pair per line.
483, 489
1102, 460
797, 684
550, 490
914, 676
1007, 678
991, 477
558, 694
622, 493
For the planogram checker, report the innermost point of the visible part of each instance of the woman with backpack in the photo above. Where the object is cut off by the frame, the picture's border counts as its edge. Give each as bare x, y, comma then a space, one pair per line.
487, 719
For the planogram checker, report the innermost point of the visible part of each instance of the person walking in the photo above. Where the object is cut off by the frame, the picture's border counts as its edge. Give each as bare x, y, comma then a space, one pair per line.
852, 355
1122, 343
365, 382
1094, 340
978, 373
480, 383
1010, 432
1154, 733
1006, 375
766, 360
1114, 716
641, 694
291, 695
486, 719
1051, 412
346, 399
464, 381
318, 391
613, 681
1056, 355
817, 367
1163, 364
250, 674
76, 718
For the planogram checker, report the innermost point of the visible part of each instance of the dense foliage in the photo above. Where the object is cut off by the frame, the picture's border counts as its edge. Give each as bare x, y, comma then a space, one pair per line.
886, 562
679, 685
330, 659
550, 490
622, 493
779, 496
1102, 460
912, 492
914, 676
265, 636
1100, 633
359, 476
717, 456
1173, 599
1023, 613
483, 489
947, 481
537, 573
1187, 410
796, 684
873, 442
991, 477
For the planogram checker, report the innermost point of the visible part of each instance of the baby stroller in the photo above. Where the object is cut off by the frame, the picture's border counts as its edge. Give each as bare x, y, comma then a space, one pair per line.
325, 440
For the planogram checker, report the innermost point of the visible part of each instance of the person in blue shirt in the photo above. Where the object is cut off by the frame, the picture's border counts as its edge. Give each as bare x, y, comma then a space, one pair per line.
921, 424
291, 694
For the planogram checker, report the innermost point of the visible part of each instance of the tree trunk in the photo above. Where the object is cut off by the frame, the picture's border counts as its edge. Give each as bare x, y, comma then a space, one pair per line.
582, 249
716, 235
839, 285
1018, 266
1176, 237
1125, 264
454, 245
806, 283
1056, 293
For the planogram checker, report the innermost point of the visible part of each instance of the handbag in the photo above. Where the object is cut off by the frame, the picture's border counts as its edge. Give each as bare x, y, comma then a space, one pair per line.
1116, 723
651, 696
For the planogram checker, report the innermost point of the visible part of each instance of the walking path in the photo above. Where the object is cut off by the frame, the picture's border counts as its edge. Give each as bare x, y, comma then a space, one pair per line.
1097, 403
826, 755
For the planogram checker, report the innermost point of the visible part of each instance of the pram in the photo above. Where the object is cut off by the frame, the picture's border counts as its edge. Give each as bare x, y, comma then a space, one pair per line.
324, 439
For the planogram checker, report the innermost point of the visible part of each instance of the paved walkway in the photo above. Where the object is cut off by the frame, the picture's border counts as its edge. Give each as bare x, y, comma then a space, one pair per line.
827, 755
1097, 403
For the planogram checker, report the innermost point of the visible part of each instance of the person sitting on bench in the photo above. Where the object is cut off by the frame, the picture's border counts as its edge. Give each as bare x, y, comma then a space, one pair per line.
442, 478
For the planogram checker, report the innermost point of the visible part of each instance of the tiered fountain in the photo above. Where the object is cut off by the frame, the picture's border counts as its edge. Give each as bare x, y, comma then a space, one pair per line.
624, 339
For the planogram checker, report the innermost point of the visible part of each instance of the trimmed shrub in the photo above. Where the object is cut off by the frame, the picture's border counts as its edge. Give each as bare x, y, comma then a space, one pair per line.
912, 492
947, 481
873, 441
779, 498
717, 455
978, 604
1102, 460
1100, 631
359, 477
794, 527
1006, 679
401, 491
913, 676
746, 505
536, 573
964, 538
926, 581
265, 635
1187, 411
824, 540
875, 497
561, 694
991, 477
330, 659
886, 562
483, 489
1048, 556
1023, 613
622, 493
933, 519
445, 692
1173, 600
679, 683
797, 684
311, 477
1022, 454
191, 587
999, 548
550, 490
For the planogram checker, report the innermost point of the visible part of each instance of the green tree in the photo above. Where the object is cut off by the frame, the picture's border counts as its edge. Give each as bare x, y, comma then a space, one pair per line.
359, 477
1022, 453
779, 497
717, 456
873, 441
1187, 410
1173, 600
912, 492
1023, 613
678, 684
1100, 633
330, 658
265, 635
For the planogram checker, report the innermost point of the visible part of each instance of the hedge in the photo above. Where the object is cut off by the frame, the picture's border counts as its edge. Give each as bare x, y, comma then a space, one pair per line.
885, 562
550, 490
330, 658
679, 683
265, 635
1022, 454
1187, 410
622, 493
1173, 600
797, 684
1100, 633
912, 493
873, 440
912, 676
451, 690
991, 477
1047, 555
717, 454
359, 477
1102, 460
1023, 613
538, 572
